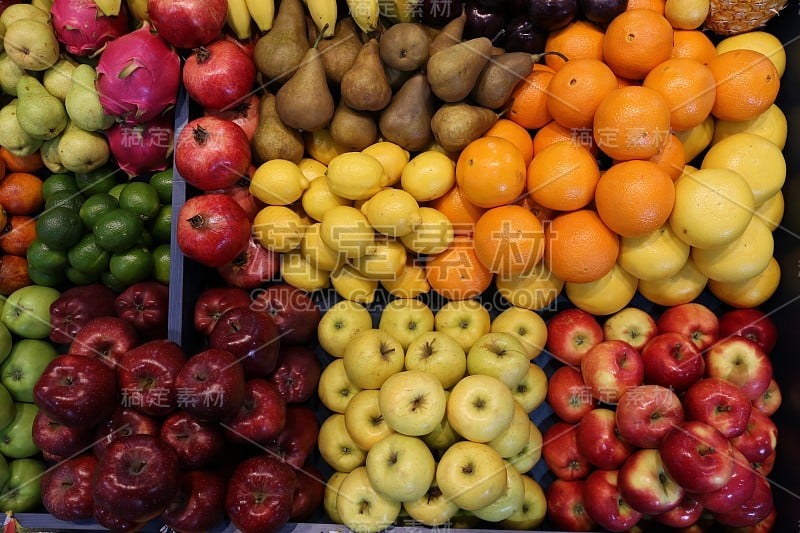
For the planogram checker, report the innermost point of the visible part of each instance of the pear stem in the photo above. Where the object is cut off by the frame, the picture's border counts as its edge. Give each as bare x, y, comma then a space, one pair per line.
321, 33
539, 57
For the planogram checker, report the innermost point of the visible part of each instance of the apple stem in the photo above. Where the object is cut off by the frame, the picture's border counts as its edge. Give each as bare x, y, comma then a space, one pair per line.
706, 451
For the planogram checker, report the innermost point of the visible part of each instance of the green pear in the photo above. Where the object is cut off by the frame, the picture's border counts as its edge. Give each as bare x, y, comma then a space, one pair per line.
10, 73
40, 114
12, 136
32, 44
82, 151
16, 12
58, 78
83, 102
50, 157
2, 36
45, 5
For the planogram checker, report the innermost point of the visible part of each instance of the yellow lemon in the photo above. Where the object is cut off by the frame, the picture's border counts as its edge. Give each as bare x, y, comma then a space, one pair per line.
392, 212
606, 295
756, 159
771, 124
386, 262
318, 199
686, 14
681, 288
311, 168
749, 293
350, 284
740, 260
535, 289
298, 272
771, 211
759, 41
657, 255
392, 156
355, 175
410, 282
346, 230
428, 176
697, 139
713, 206
320, 145
316, 252
432, 235
278, 228
278, 182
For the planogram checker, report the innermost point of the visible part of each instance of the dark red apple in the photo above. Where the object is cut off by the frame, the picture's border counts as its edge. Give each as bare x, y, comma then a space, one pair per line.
570, 334
147, 374
219, 76
718, 403
697, 456
765, 467
252, 268
755, 509
685, 515
569, 396
251, 336
189, 23
599, 440
298, 437
561, 454
210, 385
672, 360
770, 400
124, 422
693, 320
646, 486
106, 338
260, 494
67, 488
735, 492
55, 438
212, 303
146, 306
262, 415
212, 229
199, 504
308, 494
213, 153
759, 439
609, 368
742, 362
196, 443
112, 522
297, 374
646, 413
566, 509
76, 307
751, 324
292, 310
604, 502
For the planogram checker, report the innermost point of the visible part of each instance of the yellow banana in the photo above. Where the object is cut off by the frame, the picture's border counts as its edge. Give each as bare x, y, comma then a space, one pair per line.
109, 7
365, 13
407, 10
323, 12
262, 12
239, 18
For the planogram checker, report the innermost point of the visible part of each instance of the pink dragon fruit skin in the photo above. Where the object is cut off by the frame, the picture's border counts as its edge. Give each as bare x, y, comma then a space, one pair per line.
138, 76
83, 29
142, 148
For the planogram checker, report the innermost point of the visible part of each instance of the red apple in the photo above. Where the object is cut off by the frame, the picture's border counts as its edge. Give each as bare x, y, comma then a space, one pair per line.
58, 439
599, 440
67, 488
697, 456
770, 400
672, 360
297, 374
718, 403
753, 510
146, 306
568, 395
684, 515
646, 413
196, 443
561, 454
124, 422
112, 522
764, 467
308, 494
605, 504
106, 338
632, 325
292, 310
251, 336
147, 374
260, 493
262, 415
751, 324
566, 509
253, 267
742, 362
199, 504
298, 437
735, 492
759, 439
646, 486
76, 307
212, 303
212, 229
570, 334
210, 385
611, 367
693, 320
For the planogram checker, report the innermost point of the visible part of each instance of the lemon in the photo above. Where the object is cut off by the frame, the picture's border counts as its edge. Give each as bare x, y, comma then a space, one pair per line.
713, 206
278, 228
759, 162
385, 263
346, 230
771, 124
605, 295
298, 272
771, 211
744, 258
355, 175
316, 252
759, 41
432, 235
318, 198
428, 176
351, 285
278, 182
320, 145
657, 255
536, 289
697, 139
410, 282
681, 288
311, 168
686, 14
392, 212
749, 293
392, 156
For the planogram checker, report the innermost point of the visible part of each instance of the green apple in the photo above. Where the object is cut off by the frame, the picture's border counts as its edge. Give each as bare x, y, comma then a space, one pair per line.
5, 471
23, 492
16, 440
405, 319
432, 509
371, 357
400, 467
20, 372
5, 341
340, 323
337, 447
413, 402
471, 474
530, 454
532, 512
513, 438
361, 508
7, 407
27, 311
532, 390
464, 320
443, 435
335, 388
509, 502
499, 355
364, 420
480, 407
439, 354
331, 492
527, 326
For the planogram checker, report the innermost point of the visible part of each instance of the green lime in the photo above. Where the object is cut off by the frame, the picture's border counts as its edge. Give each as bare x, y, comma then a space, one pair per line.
98, 180
145, 240
46, 278
161, 226
59, 228
132, 266
58, 183
140, 198
116, 190
109, 280
118, 230
87, 257
45, 259
162, 181
70, 199
161, 263
79, 277
94, 206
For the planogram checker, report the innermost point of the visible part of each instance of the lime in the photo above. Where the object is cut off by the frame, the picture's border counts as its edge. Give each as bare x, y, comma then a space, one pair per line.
87, 257
118, 230
116, 190
99, 180
46, 278
94, 206
132, 266
109, 280
58, 183
161, 226
59, 228
140, 198
162, 181
145, 240
70, 199
45, 259
79, 277
161, 263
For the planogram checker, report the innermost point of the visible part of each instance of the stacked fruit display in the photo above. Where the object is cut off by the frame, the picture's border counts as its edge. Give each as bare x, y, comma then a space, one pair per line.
661, 418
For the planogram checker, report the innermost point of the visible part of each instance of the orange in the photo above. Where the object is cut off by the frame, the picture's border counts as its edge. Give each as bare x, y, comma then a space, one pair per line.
509, 240
552, 132
747, 84
688, 88
579, 39
511, 131
491, 172
671, 158
456, 273
634, 198
462, 214
625, 82
577, 89
21, 193
579, 248
653, 5
636, 41
15, 163
693, 44
18, 235
631, 123
542, 213
529, 99
563, 176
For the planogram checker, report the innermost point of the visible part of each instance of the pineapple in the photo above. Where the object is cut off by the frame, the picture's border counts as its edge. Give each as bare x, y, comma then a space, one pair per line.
729, 17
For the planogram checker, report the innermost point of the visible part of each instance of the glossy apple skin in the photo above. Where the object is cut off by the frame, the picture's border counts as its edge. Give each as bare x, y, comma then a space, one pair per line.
751, 324
560, 452
251, 336
611, 367
718, 403
200, 502
147, 374
196, 443
598, 440
735, 492
570, 334
262, 415
76, 391
565, 506
759, 439
646, 413
684, 515
124, 422
697, 456
58, 439
107, 338
672, 360
308, 493
76, 307
210, 385
770, 400
260, 493
298, 437
742, 362
753, 510
67, 488
645, 485
765, 467
569, 396
297, 374
109, 520
212, 303
292, 310
604, 502
146, 306
692, 320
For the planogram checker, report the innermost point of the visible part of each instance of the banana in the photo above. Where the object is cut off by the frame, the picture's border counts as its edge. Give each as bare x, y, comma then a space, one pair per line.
365, 13
109, 7
407, 10
262, 12
239, 18
323, 12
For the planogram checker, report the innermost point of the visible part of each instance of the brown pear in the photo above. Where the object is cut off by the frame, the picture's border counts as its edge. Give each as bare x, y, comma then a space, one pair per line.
353, 129
405, 46
396, 77
453, 72
365, 86
305, 102
498, 80
273, 139
406, 121
456, 125
451, 34
278, 53
340, 51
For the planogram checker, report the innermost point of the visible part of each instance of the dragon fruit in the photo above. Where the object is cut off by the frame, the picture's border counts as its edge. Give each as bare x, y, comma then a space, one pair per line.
83, 29
142, 148
138, 76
